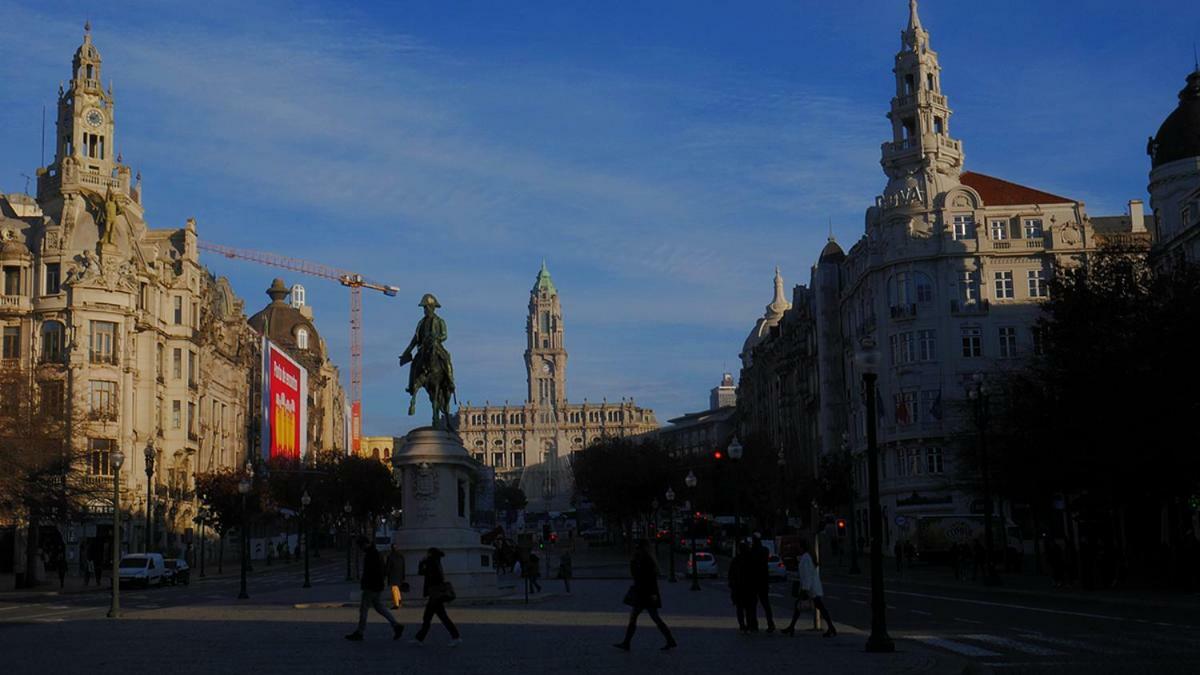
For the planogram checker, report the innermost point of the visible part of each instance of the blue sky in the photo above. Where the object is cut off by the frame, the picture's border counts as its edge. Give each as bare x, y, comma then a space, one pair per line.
662, 157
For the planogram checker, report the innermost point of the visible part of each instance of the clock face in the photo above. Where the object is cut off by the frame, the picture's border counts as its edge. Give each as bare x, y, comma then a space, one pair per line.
545, 367
94, 117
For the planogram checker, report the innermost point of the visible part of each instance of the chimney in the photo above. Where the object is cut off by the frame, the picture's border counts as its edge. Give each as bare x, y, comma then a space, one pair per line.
1137, 218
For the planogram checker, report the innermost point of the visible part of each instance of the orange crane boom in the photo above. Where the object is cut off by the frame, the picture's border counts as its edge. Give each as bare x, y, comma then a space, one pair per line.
352, 280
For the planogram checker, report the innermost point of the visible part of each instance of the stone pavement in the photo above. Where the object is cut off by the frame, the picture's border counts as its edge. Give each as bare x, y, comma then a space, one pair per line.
565, 633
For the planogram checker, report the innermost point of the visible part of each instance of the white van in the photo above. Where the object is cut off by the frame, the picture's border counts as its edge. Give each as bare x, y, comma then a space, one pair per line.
143, 569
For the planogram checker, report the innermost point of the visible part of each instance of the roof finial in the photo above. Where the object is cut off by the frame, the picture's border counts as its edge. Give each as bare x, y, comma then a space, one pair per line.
87, 26
914, 21
830, 229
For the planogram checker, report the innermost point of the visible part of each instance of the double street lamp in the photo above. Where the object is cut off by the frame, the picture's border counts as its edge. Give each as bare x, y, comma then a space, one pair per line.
978, 392
305, 500
149, 453
244, 486
116, 459
867, 359
671, 549
691, 481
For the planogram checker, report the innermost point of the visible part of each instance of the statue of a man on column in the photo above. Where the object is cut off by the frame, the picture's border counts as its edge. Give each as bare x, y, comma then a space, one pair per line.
431, 367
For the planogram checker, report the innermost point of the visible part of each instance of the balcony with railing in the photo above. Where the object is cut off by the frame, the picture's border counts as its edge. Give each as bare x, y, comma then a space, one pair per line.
14, 303
904, 311
1035, 243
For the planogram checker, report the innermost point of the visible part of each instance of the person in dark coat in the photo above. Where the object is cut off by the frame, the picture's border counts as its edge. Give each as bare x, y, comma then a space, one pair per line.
741, 588
395, 573
437, 593
533, 571
371, 583
564, 570
643, 596
762, 579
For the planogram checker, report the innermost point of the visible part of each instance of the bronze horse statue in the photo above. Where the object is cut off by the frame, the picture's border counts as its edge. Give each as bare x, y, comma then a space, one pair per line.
431, 369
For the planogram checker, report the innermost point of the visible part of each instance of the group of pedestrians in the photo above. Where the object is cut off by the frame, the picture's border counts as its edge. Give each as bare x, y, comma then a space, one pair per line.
436, 591
748, 581
748, 585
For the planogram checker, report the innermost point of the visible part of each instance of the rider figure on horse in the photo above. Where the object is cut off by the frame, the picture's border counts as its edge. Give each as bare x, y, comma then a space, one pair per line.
431, 368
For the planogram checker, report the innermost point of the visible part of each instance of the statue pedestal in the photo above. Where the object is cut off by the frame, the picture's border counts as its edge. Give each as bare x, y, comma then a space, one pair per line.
435, 473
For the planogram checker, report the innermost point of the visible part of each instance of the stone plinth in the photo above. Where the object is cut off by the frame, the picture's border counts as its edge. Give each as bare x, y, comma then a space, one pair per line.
435, 473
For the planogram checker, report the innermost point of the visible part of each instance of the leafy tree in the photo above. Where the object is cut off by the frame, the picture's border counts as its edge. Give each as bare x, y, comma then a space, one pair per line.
509, 497
1096, 416
622, 477
45, 473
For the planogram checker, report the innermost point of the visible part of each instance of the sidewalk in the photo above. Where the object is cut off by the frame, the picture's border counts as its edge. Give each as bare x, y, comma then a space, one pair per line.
939, 577
74, 582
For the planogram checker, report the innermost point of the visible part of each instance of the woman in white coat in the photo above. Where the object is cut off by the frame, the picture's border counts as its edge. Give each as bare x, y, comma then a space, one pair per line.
808, 582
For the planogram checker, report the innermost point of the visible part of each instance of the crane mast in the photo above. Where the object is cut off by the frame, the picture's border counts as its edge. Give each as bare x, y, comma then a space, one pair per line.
352, 280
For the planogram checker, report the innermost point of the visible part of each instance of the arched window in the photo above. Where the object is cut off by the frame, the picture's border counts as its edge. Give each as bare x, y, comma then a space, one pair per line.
53, 342
302, 338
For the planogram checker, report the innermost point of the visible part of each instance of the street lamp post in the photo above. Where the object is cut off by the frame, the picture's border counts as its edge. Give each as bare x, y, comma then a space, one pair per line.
244, 486
671, 548
868, 363
735, 452
853, 520
305, 500
781, 462
203, 522
349, 544
691, 481
117, 458
977, 391
149, 454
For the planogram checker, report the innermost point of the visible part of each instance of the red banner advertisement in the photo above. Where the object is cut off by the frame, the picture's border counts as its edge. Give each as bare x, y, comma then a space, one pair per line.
285, 404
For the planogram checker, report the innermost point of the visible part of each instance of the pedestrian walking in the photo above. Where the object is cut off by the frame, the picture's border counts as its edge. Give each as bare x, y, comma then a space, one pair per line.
808, 580
898, 551
533, 570
762, 579
741, 588
564, 569
437, 592
371, 583
395, 574
643, 595
60, 566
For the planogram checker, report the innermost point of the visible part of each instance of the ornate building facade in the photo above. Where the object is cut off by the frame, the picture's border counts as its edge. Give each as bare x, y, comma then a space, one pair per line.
947, 280
531, 443
288, 322
1175, 179
121, 328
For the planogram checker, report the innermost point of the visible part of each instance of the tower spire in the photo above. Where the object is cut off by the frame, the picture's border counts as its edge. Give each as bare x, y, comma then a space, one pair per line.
914, 21
779, 304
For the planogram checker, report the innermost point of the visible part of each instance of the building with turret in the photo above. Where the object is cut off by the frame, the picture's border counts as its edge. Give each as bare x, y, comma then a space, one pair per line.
120, 329
289, 323
532, 442
1175, 180
947, 280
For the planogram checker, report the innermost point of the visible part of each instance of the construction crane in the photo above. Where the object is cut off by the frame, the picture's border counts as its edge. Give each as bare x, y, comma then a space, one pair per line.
352, 280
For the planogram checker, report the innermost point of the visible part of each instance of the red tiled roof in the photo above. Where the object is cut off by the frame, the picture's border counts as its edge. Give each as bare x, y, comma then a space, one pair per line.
996, 192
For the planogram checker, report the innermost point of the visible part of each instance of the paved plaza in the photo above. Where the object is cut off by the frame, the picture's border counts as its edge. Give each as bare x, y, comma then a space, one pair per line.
284, 628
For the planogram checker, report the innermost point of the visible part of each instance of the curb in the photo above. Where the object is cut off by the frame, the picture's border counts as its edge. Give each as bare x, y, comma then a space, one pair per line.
467, 602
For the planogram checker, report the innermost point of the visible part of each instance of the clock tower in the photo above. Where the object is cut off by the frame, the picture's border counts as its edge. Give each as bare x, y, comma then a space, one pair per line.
85, 116
545, 356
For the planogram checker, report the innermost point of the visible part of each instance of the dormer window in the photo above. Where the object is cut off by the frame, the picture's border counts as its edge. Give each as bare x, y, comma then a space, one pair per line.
302, 338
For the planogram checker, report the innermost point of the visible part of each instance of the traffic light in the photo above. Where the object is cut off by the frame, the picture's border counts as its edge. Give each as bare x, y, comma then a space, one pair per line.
841, 527
553, 537
545, 531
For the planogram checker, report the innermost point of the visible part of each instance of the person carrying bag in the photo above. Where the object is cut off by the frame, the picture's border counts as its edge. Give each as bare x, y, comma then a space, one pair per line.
437, 592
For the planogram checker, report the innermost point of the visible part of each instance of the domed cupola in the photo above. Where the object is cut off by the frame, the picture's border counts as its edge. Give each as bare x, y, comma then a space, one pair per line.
1179, 136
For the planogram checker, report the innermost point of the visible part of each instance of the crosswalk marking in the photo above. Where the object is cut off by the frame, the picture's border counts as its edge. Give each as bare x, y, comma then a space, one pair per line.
950, 645
1016, 645
1075, 644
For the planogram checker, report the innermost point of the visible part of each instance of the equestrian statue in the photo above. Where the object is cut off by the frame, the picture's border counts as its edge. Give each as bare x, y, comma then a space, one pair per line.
431, 368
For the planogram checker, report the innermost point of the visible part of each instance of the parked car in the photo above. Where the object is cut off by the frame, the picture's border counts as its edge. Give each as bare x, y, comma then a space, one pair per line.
143, 569
775, 567
706, 564
177, 572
